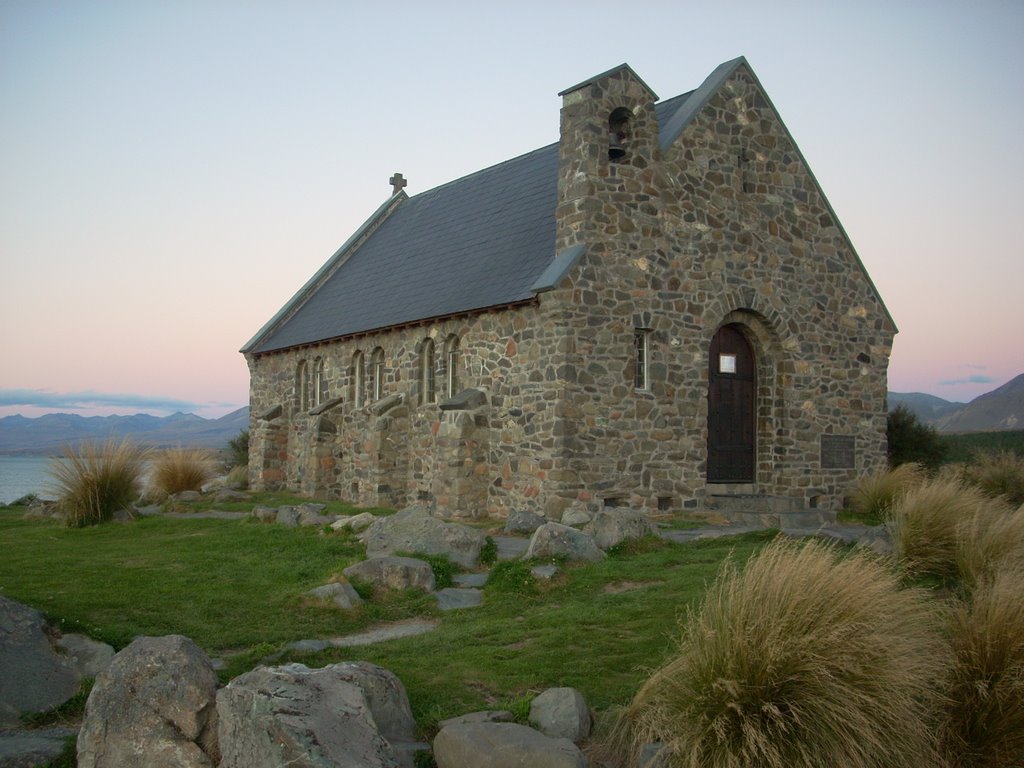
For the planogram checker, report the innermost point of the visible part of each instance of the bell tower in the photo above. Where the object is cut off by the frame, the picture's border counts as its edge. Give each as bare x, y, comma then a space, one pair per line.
609, 136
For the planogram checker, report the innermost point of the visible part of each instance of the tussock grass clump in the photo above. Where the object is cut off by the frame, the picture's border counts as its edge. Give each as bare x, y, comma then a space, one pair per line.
238, 478
998, 474
94, 482
873, 495
928, 524
989, 543
181, 469
803, 658
984, 723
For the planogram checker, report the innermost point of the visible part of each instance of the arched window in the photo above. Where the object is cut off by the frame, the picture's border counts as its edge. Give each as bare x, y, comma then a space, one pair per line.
451, 365
319, 382
376, 375
302, 386
428, 392
618, 133
358, 379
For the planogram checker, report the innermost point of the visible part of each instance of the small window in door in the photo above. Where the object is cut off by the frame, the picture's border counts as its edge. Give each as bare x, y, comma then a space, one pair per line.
727, 363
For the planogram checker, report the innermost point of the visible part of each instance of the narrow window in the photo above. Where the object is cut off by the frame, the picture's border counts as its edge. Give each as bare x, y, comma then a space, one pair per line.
641, 338
427, 390
376, 384
452, 366
319, 382
358, 379
302, 386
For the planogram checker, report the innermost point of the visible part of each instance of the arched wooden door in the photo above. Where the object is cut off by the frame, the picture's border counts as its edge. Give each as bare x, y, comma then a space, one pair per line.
732, 397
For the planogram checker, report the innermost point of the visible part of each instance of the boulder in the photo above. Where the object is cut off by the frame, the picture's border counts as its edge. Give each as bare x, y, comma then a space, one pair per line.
483, 716
154, 707
386, 696
288, 516
523, 521
312, 514
226, 495
557, 540
576, 517
89, 657
502, 745
342, 594
613, 526
32, 677
359, 522
415, 530
28, 749
561, 713
452, 598
293, 715
265, 514
394, 573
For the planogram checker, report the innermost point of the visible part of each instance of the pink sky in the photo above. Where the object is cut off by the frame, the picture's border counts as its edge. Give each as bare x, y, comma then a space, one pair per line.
171, 173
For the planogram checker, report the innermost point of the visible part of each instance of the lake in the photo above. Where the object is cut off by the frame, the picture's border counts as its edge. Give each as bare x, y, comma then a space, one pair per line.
20, 475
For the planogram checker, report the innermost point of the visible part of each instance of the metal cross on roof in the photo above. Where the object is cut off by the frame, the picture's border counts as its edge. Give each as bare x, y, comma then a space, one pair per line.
397, 181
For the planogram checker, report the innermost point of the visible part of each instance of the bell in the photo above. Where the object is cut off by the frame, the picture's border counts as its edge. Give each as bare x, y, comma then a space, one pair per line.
615, 149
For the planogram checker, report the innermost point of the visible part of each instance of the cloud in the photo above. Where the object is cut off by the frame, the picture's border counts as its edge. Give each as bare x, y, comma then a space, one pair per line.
976, 379
77, 401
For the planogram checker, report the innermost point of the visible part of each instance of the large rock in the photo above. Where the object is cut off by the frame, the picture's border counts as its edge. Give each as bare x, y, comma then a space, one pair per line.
341, 594
394, 573
415, 530
293, 715
153, 707
386, 696
359, 522
613, 526
89, 657
561, 713
523, 521
32, 677
502, 745
557, 540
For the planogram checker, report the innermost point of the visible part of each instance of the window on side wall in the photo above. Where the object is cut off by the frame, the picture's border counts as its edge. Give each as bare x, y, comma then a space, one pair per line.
452, 366
428, 392
302, 386
358, 379
319, 382
376, 383
641, 359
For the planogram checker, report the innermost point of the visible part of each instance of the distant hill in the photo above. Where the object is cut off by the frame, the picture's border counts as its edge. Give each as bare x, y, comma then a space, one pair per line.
47, 435
1000, 409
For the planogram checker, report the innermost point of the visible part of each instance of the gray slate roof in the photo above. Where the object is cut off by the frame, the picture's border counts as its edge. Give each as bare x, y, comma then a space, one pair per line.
482, 241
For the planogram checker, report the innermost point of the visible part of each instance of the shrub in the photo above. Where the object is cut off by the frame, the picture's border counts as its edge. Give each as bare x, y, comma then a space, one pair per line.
181, 469
804, 658
984, 716
998, 474
489, 551
911, 441
239, 448
94, 482
993, 541
929, 522
872, 496
238, 477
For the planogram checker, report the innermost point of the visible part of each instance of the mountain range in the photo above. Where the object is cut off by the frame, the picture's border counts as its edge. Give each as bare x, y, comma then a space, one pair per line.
48, 435
1000, 409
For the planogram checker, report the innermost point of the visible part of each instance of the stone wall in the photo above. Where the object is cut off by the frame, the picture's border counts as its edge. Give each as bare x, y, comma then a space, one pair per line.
724, 227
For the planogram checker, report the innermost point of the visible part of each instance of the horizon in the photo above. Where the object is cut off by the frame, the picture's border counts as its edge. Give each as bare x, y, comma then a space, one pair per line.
174, 173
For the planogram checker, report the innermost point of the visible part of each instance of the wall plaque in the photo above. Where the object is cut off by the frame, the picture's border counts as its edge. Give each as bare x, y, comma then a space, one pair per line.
838, 452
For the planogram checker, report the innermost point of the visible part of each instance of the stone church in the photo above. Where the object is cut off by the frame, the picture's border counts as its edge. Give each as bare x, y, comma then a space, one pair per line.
658, 310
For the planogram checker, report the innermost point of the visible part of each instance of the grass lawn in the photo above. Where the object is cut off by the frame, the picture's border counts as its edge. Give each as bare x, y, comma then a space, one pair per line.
236, 588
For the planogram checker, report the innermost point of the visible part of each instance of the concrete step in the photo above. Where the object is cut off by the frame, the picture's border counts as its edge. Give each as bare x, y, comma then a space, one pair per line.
763, 510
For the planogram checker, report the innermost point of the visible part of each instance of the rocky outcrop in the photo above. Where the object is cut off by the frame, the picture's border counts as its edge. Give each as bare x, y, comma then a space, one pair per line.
341, 594
557, 540
318, 718
613, 526
33, 677
391, 572
502, 745
414, 529
153, 707
561, 713
523, 521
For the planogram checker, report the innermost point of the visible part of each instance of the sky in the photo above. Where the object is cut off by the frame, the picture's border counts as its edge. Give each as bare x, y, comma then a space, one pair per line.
172, 172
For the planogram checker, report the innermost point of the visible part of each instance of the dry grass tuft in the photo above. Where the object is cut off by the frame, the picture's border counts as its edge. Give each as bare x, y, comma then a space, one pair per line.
984, 725
181, 469
803, 658
998, 474
992, 542
873, 495
94, 482
929, 523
